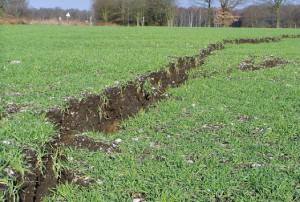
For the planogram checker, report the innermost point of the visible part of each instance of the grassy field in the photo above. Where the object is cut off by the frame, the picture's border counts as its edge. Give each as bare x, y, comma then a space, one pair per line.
61, 61
231, 137
225, 135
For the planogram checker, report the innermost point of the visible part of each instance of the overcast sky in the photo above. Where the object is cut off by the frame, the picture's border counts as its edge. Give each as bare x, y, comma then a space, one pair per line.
78, 4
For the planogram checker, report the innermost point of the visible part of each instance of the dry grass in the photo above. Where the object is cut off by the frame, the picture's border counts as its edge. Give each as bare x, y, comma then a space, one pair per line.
17, 21
57, 22
13, 21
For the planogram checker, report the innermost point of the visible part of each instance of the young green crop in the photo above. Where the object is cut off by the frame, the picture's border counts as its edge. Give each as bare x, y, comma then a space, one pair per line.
61, 61
158, 159
231, 136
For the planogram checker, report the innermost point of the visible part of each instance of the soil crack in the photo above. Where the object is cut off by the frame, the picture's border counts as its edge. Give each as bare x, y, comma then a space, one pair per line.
105, 112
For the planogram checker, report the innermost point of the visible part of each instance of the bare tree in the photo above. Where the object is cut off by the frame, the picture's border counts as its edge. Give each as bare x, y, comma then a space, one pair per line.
139, 8
2, 4
255, 16
123, 9
16, 8
260, 15
206, 4
170, 10
291, 15
103, 9
161, 12
191, 17
275, 5
228, 5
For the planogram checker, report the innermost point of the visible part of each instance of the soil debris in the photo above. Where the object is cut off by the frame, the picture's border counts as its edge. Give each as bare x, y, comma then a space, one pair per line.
253, 41
243, 118
39, 182
9, 109
268, 63
83, 142
290, 36
210, 127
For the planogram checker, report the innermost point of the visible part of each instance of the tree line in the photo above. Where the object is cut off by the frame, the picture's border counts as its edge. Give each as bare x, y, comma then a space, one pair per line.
135, 12
203, 13
251, 16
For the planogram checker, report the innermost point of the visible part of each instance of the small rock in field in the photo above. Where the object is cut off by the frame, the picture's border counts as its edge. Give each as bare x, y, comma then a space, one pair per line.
135, 139
256, 165
99, 181
9, 171
117, 141
154, 144
190, 161
137, 200
6, 142
15, 62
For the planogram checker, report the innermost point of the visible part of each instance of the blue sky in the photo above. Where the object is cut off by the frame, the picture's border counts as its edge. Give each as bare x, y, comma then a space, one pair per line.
78, 4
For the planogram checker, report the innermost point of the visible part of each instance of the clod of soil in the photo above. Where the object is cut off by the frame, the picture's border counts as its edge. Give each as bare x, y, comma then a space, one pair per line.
82, 142
3, 186
37, 183
268, 63
10, 108
290, 36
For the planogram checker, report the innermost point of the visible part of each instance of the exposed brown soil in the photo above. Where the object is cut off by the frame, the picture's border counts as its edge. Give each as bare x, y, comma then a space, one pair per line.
39, 182
268, 63
10, 108
83, 142
290, 36
253, 41
104, 112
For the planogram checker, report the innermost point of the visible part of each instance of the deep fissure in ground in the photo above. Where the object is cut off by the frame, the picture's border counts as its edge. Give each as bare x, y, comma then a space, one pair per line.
106, 112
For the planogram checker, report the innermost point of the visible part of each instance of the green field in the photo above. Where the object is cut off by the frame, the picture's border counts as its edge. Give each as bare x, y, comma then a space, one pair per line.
225, 135
58, 61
